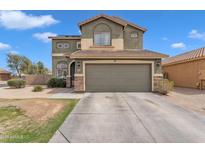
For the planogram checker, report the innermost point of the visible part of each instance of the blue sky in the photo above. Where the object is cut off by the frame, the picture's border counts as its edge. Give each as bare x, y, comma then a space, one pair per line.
25, 32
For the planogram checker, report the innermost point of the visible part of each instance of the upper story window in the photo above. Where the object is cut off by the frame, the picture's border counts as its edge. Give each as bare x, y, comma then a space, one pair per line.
102, 38
78, 45
66, 45
102, 35
62, 65
134, 35
63, 45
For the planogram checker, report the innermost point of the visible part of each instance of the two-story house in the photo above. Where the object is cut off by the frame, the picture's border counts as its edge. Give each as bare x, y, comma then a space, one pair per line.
107, 56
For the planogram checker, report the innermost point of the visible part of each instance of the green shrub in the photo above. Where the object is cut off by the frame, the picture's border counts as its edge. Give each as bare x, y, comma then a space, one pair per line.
16, 83
37, 89
165, 86
56, 82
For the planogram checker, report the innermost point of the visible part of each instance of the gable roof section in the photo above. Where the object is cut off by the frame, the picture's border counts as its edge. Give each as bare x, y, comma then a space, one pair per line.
185, 57
115, 19
120, 54
130, 23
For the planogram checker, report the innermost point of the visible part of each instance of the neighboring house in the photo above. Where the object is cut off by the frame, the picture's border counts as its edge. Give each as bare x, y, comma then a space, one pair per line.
107, 56
187, 69
4, 75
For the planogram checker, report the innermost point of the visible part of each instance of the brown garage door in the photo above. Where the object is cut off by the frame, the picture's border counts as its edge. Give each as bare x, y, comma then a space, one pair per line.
118, 77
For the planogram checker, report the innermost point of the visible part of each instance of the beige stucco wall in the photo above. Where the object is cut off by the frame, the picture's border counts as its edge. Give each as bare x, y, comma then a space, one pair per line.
133, 43
121, 37
88, 29
102, 25
58, 55
185, 74
157, 68
87, 44
80, 68
56, 60
72, 48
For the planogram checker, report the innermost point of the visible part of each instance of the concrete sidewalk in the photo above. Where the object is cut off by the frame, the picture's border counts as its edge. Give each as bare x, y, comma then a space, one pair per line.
24, 93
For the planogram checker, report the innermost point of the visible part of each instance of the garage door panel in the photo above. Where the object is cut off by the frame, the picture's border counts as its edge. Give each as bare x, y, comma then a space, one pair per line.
118, 77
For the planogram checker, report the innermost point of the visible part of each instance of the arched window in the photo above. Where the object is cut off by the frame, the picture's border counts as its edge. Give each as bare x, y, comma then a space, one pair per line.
102, 35
62, 69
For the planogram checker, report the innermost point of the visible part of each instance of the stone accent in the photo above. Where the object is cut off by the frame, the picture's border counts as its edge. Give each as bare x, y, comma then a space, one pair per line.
68, 82
157, 78
79, 84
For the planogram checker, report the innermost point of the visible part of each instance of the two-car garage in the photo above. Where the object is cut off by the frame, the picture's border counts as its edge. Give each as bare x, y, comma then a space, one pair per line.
134, 70
118, 77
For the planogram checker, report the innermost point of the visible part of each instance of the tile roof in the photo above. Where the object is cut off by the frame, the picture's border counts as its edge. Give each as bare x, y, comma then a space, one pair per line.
129, 23
187, 56
114, 19
2, 71
120, 54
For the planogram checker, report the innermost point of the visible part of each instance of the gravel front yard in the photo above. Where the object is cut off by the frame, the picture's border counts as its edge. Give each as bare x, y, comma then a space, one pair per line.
190, 99
32, 120
22, 93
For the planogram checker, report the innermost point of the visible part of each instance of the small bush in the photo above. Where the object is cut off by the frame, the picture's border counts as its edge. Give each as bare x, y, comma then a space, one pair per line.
165, 86
37, 89
56, 82
16, 83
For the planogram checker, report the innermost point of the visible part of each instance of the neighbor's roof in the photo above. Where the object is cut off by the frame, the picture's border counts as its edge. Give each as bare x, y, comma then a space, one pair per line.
120, 54
185, 57
68, 37
114, 19
2, 71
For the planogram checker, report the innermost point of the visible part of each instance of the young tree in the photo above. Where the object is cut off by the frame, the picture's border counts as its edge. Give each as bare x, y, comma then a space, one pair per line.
41, 69
26, 65
14, 62
33, 69
21, 64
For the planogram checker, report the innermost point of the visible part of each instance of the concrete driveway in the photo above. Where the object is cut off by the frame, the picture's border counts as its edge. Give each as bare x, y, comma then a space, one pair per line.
130, 117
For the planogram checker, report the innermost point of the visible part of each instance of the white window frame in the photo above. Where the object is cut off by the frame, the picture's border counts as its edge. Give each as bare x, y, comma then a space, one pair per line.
59, 45
101, 38
63, 45
78, 43
61, 67
134, 35
66, 45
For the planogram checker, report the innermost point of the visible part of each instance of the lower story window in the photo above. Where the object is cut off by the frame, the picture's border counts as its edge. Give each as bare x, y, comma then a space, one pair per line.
62, 69
61, 73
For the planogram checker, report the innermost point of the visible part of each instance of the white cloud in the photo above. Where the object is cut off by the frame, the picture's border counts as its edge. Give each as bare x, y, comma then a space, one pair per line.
178, 45
44, 36
194, 34
164, 38
4, 46
22, 21
13, 52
